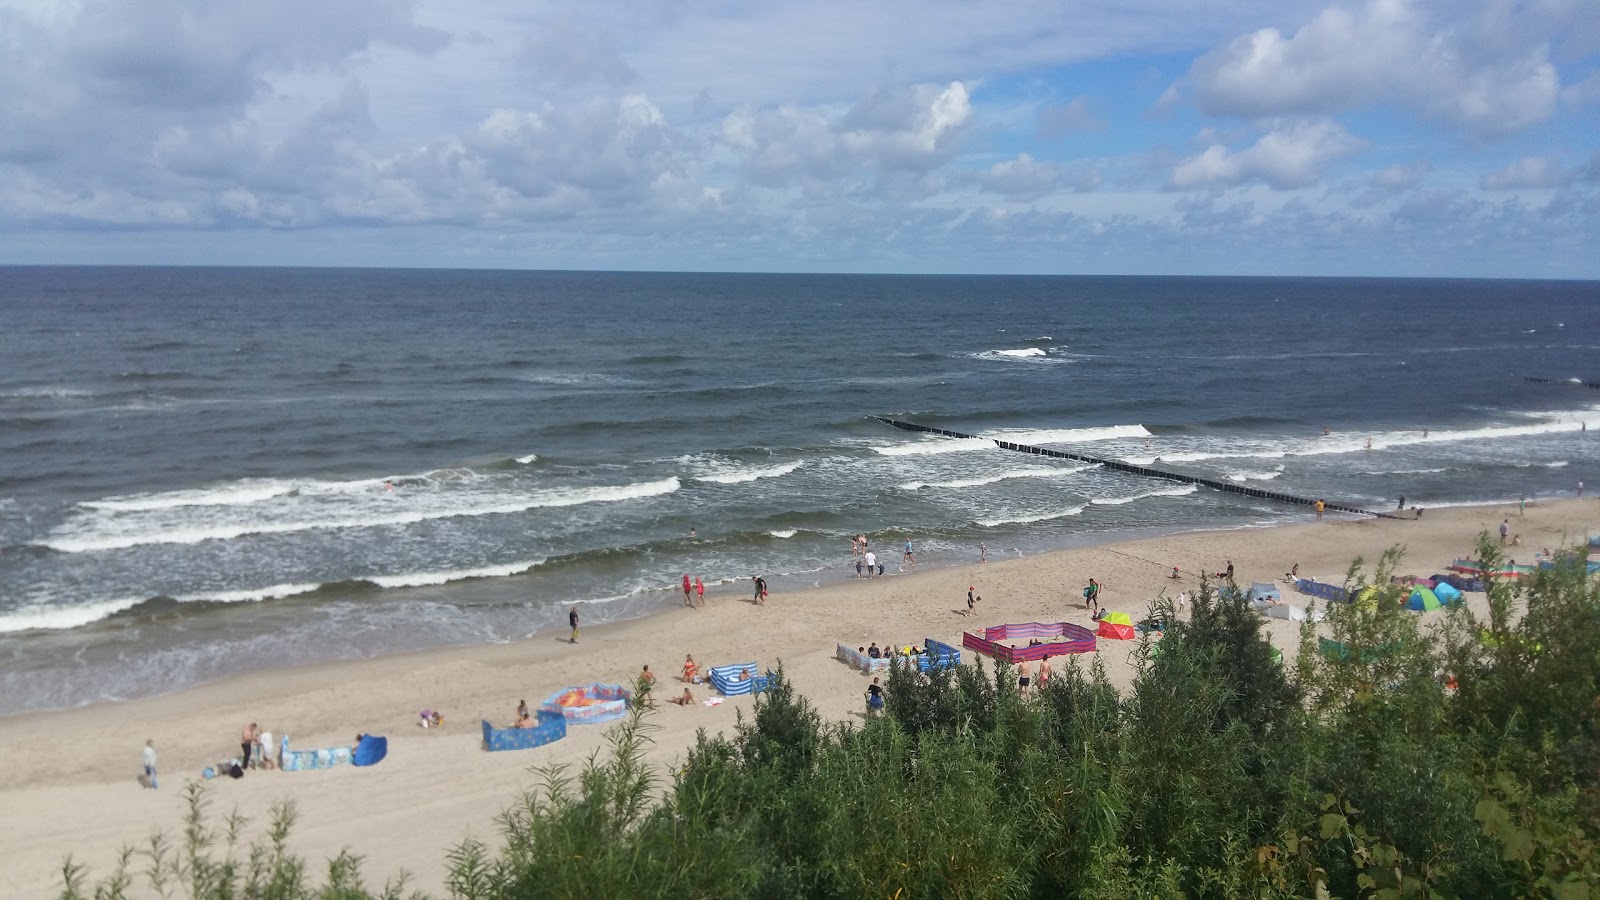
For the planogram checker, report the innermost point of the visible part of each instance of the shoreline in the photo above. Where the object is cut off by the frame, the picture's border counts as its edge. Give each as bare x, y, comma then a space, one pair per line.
73, 786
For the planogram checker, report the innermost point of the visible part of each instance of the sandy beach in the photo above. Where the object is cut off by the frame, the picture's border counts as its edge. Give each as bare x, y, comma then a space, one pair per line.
71, 788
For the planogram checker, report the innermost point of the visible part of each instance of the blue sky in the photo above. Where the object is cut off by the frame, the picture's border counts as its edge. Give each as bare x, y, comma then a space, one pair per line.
1382, 137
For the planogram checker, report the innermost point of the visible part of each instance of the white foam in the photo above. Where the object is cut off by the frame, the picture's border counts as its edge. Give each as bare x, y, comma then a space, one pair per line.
1240, 477
1023, 353
238, 493
1068, 435
1175, 491
785, 533
423, 579
991, 479
249, 595
55, 618
527, 459
938, 445
68, 540
1025, 520
45, 393
740, 476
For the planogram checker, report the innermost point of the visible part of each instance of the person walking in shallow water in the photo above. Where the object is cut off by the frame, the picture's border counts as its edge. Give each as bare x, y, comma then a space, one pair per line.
572, 619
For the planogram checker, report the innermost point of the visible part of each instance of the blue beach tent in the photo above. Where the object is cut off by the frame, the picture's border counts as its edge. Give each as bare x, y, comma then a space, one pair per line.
370, 750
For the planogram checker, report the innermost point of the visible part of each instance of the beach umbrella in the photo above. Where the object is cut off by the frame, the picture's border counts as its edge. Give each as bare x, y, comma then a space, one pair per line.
1422, 600
1116, 626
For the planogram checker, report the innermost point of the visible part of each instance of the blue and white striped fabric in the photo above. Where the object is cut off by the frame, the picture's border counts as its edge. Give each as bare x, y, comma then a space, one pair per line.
735, 679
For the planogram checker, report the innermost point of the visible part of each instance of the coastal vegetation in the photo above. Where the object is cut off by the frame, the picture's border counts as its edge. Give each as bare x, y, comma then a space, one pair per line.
1456, 760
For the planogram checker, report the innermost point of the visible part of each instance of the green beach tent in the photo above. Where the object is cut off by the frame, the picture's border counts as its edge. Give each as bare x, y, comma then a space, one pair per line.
1423, 600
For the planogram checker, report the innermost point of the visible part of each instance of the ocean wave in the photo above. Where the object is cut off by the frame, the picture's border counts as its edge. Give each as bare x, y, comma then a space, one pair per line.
236, 494
69, 541
742, 475
1175, 491
427, 579
1034, 355
45, 393
249, 595
785, 533
576, 379
938, 445
1026, 520
1240, 477
531, 457
57, 618
999, 476
1068, 435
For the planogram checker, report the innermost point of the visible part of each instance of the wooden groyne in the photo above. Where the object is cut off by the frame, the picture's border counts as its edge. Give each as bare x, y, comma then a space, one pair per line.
1131, 469
1587, 384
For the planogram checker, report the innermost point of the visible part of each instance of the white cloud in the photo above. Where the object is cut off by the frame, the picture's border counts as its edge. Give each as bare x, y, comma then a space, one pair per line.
1021, 177
1399, 177
1529, 172
1291, 155
1386, 51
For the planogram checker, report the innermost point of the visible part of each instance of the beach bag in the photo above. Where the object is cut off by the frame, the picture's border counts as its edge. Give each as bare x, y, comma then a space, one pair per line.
236, 771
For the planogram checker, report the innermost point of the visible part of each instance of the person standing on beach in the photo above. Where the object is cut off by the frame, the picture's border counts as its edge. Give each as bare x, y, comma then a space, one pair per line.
247, 743
1505, 529
1321, 505
1522, 505
572, 619
699, 592
150, 763
872, 562
688, 591
983, 552
1023, 681
1402, 503
760, 589
1044, 672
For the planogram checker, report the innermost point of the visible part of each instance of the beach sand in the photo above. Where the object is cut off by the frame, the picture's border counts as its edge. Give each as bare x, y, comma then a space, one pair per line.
70, 776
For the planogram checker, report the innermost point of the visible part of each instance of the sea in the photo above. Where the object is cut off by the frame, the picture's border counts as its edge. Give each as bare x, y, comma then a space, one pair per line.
206, 471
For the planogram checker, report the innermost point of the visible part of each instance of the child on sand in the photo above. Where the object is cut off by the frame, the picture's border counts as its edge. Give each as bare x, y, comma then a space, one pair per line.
150, 763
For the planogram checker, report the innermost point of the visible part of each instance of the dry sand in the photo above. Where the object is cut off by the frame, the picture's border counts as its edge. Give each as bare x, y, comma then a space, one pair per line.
70, 776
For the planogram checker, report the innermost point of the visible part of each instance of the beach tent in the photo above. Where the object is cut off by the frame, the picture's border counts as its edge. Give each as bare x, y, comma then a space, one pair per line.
1265, 591
1447, 594
1285, 611
370, 750
1422, 600
735, 679
1117, 626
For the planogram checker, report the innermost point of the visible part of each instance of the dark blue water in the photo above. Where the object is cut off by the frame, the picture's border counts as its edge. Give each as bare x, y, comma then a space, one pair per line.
213, 469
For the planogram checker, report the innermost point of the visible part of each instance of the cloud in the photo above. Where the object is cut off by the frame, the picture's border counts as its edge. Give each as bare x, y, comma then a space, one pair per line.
1056, 119
1529, 172
1021, 177
909, 130
1291, 155
1399, 177
1386, 51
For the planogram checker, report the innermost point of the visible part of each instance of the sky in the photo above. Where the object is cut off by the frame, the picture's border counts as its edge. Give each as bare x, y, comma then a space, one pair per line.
1211, 137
